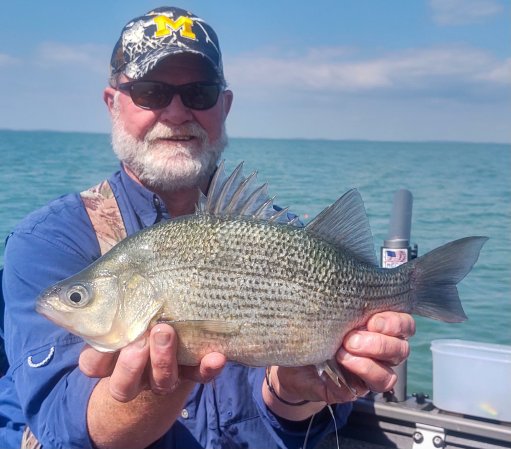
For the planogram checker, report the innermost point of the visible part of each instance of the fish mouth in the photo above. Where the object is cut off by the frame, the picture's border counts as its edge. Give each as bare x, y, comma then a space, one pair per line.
43, 303
41, 307
45, 307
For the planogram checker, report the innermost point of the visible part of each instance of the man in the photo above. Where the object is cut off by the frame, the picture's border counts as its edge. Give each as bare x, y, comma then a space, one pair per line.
168, 101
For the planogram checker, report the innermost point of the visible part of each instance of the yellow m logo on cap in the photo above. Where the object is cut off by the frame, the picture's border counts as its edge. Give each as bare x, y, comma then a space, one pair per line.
165, 25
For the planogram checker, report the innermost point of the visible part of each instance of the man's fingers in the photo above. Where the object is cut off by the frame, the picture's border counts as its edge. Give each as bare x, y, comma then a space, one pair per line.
367, 355
401, 325
149, 362
164, 373
385, 338
377, 376
210, 366
97, 364
126, 379
380, 347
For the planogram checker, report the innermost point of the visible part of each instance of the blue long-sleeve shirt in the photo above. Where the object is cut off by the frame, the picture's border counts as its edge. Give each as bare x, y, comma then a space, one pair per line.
44, 387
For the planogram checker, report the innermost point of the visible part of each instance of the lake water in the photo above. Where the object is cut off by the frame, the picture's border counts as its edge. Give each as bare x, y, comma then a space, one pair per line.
459, 189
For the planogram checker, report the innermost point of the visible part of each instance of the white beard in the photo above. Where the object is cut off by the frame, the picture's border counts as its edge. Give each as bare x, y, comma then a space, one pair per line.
168, 166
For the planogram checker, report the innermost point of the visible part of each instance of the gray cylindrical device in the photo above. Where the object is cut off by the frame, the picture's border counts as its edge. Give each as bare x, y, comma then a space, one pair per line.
394, 252
400, 219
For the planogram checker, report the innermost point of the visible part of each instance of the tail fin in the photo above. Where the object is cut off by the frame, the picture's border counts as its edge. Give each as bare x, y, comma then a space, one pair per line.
436, 275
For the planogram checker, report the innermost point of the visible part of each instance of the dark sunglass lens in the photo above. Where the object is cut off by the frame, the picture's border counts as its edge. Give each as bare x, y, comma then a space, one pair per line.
200, 96
151, 95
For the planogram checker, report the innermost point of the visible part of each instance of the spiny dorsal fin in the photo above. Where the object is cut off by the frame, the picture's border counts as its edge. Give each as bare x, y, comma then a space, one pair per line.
345, 224
235, 195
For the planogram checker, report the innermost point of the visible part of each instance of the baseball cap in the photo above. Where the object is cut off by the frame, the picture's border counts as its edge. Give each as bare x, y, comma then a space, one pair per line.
162, 32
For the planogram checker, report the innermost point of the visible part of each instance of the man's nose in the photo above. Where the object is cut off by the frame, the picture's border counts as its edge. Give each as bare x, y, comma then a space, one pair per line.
176, 113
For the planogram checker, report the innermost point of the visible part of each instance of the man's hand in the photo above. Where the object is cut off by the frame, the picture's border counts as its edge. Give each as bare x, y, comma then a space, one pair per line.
149, 363
368, 357
370, 354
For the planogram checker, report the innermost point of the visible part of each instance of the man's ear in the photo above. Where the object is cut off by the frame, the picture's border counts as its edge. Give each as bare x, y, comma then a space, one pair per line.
228, 97
108, 98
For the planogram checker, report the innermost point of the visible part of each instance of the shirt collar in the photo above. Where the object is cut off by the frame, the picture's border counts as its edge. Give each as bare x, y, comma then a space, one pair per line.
148, 206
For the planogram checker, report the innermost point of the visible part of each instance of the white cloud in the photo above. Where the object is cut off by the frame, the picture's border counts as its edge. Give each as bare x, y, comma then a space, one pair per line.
419, 70
6, 60
85, 56
499, 74
463, 12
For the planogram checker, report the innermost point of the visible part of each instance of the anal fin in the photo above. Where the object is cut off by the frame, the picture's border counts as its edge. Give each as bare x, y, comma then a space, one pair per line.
335, 372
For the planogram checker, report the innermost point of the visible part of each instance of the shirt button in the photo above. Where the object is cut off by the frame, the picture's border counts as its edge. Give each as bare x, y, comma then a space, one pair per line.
156, 201
184, 414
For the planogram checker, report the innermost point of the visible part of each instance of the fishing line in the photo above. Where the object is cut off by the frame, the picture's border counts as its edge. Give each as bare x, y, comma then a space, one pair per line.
310, 426
308, 432
335, 425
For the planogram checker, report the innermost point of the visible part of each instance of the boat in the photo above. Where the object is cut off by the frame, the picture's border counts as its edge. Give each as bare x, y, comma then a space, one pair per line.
379, 422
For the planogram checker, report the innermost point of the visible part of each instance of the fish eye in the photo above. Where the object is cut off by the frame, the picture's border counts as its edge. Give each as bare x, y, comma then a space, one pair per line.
75, 297
78, 295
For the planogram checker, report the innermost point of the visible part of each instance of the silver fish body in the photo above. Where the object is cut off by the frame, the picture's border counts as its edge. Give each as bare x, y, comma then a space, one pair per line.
259, 291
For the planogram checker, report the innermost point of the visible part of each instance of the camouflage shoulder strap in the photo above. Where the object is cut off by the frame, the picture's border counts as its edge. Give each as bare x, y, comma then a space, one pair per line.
106, 219
105, 215
29, 441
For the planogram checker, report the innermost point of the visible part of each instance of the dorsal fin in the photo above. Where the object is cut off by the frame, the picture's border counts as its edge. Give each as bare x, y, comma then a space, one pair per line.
345, 224
235, 195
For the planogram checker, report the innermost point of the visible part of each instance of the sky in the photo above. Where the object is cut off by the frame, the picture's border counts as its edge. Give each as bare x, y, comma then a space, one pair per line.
400, 70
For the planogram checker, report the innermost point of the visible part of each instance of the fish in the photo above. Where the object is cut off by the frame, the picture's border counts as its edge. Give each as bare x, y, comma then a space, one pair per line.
246, 279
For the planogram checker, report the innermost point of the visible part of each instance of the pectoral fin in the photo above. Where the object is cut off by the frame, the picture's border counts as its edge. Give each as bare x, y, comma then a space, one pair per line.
200, 337
203, 328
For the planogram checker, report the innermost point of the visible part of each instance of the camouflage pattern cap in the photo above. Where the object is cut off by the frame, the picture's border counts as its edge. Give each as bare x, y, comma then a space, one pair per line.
162, 32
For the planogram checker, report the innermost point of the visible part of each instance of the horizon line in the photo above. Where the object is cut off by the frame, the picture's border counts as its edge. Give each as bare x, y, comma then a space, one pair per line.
326, 139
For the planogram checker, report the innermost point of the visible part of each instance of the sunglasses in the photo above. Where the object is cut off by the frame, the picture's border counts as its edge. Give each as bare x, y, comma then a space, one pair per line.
158, 95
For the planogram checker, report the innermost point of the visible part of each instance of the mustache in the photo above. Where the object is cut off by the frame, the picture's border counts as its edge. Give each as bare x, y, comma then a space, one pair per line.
164, 131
